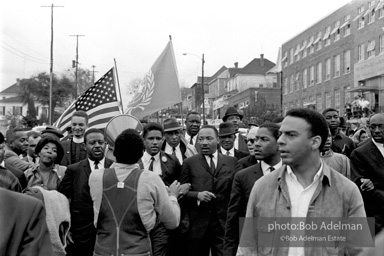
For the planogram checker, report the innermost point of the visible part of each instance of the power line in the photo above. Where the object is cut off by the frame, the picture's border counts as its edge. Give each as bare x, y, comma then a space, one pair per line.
22, 52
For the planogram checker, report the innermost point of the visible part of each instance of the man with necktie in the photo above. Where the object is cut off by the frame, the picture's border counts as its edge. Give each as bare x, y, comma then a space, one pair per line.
234, 117
175, 144
75, 187
227, 136
192, 123
266, 150
168, 168
210, 174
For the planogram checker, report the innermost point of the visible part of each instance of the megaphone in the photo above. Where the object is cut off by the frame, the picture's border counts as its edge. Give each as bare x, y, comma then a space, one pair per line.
117, 125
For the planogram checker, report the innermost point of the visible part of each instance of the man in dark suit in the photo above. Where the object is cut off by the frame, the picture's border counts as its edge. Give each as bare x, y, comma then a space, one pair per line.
250, 159
74, 148
367, 171
75, 186
192, 124
234, 117
227, 138
168, 168
267, 152
23, 227
210, 175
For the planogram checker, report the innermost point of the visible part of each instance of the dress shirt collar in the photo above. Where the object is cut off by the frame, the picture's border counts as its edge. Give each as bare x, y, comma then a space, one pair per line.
231, 151
100, 165
265, 167
317, 176
77, 140
208, 158
168, 148
147, 157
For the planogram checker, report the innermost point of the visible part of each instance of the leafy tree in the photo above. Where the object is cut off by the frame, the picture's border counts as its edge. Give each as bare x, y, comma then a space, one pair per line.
261, 112
84, 80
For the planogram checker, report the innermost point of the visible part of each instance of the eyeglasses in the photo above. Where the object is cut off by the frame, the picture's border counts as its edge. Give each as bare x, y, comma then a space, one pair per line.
251, 140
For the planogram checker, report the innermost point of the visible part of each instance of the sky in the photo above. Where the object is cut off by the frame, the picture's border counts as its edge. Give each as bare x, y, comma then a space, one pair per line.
134, 33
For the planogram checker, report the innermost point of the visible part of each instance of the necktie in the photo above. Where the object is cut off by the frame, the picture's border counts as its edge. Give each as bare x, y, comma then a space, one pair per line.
96, 165
174, 151
212, 164
271, 168
191, 140
228, 153
151, 164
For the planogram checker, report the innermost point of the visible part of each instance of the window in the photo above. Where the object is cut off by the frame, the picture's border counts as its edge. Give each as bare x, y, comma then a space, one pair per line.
346, 25
318, 76
318, 41
2, 111
371, 48
381, 44
327, 36
337, 65
297, 82
292, 83
327, 69
305, 78
297, 52
319, 103
291, 56
380, 8
336, 31
285, 59
371, 12
347, 62
327, 100
304, 49
337, 98
311, 76
361, 52
285, 86
17, 110
311, 46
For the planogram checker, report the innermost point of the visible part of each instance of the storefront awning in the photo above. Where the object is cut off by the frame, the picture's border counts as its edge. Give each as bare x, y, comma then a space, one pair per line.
364, 89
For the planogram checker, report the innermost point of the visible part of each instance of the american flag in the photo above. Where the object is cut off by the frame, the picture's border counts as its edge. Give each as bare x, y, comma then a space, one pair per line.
99, 102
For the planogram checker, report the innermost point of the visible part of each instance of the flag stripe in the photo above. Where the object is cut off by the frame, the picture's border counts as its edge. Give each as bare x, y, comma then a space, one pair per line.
99, 102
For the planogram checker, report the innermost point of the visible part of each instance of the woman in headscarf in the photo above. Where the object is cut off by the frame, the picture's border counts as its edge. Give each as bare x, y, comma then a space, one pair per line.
360, 136
48, 174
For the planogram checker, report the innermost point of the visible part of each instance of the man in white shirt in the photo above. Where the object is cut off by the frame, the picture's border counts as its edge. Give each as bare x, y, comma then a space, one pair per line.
303, 187
192, 123
227, 138
233, 116
174, 143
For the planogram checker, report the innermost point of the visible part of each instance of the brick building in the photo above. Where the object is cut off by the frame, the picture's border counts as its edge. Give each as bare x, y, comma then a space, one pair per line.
337, 58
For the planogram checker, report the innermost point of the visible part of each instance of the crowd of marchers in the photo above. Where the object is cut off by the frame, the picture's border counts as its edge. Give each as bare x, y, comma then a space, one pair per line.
170, 191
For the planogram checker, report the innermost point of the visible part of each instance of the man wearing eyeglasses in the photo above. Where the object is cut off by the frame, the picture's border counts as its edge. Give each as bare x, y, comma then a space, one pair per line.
266, 150
367, 171
251, 159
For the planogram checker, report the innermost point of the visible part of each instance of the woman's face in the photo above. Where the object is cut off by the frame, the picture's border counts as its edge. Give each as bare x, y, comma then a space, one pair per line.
48, 154
363, 136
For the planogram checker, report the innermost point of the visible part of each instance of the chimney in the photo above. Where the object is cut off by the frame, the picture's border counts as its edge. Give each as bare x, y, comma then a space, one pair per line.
262, 60
236, 64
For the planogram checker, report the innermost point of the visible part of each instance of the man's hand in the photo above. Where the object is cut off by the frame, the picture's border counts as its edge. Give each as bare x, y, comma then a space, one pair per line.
184, 189
205, 196
174, 188
366, 184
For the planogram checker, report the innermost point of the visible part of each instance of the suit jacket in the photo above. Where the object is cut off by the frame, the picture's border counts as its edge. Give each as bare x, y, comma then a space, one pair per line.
23, 227
241, 189
238, 154
75, 187
242, 143
67, 159
16, 165
247, 161
197, 172
368, 163
187, 150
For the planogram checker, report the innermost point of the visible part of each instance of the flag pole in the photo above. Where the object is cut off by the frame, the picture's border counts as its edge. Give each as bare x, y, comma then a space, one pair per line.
118, 85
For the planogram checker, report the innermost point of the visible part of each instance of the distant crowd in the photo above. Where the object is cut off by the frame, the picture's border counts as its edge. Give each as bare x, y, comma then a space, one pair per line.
168, 191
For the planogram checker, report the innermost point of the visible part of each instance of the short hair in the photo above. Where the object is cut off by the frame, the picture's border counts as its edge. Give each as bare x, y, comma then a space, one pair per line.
91, 130
10, 135
128, 147
211, 127
318, 124
277, 119
81, 113
192, 113
44, 141
272, 128
1, 138
329, 110
152, 127
33, 134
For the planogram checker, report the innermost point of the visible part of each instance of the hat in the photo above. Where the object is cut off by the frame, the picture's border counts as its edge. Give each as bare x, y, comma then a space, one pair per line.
253, 124
343, 123
226, 129
171, 124
231, 111
53, 130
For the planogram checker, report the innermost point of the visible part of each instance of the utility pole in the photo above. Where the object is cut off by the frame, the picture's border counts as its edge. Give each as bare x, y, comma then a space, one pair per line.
77, 62
51, 68
93, 74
